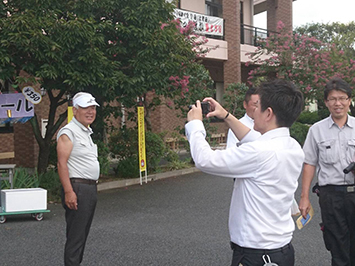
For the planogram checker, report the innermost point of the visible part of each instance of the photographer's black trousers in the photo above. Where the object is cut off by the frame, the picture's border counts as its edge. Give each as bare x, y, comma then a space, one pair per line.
337, 205
284, 256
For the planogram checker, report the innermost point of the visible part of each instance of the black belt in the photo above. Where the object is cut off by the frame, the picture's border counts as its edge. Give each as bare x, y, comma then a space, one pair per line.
84, 181
259, 251
340, 188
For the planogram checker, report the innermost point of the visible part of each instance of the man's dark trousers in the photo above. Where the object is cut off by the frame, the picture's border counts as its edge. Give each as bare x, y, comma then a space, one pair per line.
79, 222
284, 256
337, 204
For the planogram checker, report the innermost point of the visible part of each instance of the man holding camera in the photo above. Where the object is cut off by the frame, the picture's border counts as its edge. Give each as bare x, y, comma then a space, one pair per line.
330, 148
266, 170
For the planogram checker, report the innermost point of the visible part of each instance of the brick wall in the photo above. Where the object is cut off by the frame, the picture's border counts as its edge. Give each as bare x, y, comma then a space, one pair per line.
232, 67
215, 68
7, 145
26, 148
279, 10
7, 142
164, 119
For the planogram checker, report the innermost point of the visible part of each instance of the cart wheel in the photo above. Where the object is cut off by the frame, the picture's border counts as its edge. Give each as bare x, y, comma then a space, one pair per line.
2, 219
33, 215
39, 216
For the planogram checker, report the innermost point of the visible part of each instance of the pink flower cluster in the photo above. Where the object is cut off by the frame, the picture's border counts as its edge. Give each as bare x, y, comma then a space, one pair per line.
306, 61
181, 83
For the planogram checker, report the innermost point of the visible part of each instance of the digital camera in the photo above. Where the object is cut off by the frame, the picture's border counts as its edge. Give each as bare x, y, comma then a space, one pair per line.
205, 106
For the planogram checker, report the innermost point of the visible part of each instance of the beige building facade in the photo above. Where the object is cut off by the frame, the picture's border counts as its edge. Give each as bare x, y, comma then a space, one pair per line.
226, 64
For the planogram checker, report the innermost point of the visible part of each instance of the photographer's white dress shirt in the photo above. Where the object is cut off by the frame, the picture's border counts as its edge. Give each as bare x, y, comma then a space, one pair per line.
266, 169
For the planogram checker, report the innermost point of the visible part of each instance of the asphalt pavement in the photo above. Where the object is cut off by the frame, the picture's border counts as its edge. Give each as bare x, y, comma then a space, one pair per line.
174, 221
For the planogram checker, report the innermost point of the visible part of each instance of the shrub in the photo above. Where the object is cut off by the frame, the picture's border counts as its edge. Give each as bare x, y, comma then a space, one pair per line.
127, 167
53, 159
103, 152
21, 179
234, 97
307, 117
323, 113
179, 164
124, 146
299, 132
50, 181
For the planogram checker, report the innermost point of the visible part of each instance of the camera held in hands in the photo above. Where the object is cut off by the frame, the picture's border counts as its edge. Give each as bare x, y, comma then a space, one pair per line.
205, 107
349, 168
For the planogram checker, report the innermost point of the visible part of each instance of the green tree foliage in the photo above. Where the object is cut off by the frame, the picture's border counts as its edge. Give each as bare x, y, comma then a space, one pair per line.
340, 34
117, 50
234, 98
304, 60
124, 146
299, 132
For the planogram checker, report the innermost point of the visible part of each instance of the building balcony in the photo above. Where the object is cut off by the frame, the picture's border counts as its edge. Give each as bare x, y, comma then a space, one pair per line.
249, 37
250, 34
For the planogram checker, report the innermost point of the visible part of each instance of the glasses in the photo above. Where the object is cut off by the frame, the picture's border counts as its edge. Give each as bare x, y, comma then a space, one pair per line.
341, 100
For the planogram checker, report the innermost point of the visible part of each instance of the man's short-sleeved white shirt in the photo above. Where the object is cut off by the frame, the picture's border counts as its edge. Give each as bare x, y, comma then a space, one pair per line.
266, 170
231, 138
82, 162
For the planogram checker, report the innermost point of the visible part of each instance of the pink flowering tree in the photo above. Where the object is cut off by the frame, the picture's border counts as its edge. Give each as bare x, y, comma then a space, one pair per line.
304, 60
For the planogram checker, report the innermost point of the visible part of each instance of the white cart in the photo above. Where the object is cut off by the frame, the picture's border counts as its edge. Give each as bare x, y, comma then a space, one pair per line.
20, 201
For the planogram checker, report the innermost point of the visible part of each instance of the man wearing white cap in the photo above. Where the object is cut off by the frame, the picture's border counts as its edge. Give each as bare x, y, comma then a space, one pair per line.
79, 170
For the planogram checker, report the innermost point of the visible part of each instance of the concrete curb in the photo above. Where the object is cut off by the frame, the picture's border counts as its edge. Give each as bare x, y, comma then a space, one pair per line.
136, 181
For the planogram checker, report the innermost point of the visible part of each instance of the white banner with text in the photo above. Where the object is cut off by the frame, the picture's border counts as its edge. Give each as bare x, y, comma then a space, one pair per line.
203, 24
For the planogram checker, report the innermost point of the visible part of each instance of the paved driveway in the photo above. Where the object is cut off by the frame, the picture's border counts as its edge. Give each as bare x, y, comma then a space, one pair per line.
169, 222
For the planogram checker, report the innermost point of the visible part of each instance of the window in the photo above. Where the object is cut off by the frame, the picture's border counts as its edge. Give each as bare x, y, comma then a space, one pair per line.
44, 123
218, 95
214, 8
6, 128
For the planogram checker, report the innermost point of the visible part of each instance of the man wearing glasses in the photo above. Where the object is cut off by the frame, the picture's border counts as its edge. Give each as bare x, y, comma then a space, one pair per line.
329, 148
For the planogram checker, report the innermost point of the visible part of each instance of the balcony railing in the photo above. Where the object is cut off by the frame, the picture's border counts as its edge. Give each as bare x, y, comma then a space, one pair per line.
250, 35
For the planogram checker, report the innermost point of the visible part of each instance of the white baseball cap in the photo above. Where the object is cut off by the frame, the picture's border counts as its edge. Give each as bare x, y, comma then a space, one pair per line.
84, 99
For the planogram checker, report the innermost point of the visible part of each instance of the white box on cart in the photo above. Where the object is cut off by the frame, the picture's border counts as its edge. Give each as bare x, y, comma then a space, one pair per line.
23, 199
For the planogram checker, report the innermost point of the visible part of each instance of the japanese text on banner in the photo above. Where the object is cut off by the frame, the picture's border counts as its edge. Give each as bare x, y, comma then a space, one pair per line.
203, 24
141, 139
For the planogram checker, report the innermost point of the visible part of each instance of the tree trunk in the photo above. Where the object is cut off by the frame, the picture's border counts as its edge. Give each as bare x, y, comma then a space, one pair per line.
52, 127
147, 119
43, 158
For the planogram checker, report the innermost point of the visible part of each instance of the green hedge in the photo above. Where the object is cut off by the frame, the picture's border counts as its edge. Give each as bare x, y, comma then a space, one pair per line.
299, 132
124, 146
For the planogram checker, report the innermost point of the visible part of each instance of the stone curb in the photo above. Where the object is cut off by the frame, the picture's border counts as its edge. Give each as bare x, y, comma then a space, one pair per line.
136, 181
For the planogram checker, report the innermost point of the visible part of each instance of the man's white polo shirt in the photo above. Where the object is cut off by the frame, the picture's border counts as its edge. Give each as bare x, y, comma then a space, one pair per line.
83, 162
